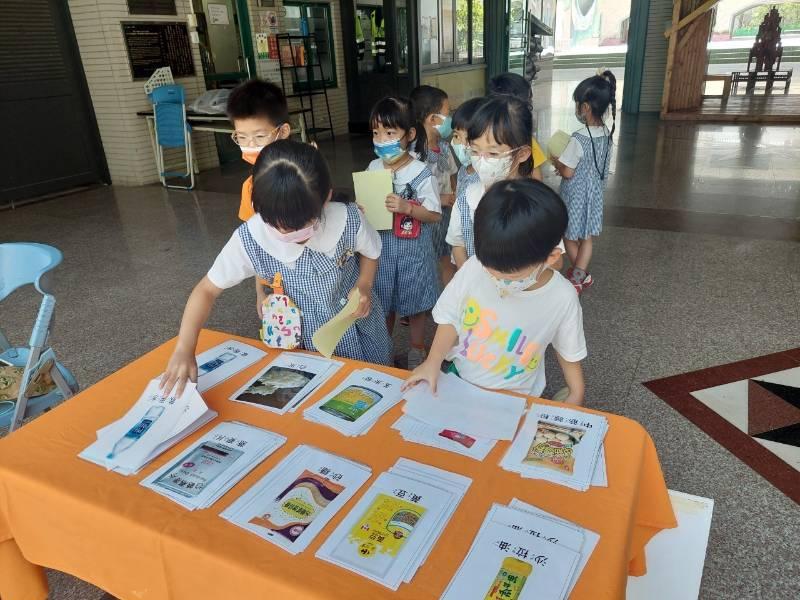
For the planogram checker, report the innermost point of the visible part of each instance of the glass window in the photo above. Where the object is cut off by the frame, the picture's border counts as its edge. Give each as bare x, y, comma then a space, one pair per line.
429, 32
462, 30
477, 30
317, 53
446, 49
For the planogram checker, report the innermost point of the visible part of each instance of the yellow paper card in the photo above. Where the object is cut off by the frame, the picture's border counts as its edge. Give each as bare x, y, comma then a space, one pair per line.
385, 527
558, 143
327, 337
372, 187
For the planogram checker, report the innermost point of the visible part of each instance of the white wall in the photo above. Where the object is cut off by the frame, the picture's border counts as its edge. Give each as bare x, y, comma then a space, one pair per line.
117, 98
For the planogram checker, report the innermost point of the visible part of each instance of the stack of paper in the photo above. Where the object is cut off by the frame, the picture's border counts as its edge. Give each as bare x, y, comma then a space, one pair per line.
218, 461
222, 362
522, 552
391, 531
297, 498
445, 439
286, 382
561, 445
360, 400
461, 417
152, 425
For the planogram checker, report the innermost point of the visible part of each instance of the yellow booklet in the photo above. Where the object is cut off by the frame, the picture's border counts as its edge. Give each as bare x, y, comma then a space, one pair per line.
372, 187
326, 338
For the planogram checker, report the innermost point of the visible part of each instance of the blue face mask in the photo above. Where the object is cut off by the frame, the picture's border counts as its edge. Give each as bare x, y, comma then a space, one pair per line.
445, 127
389, 151
462, 154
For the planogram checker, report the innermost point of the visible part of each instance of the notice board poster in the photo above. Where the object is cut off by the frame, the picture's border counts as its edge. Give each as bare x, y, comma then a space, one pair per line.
158, 44
152, 7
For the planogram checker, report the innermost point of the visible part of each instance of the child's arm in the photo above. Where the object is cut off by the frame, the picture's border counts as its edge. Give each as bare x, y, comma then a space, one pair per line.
182, 365
537, 174
562, 169
459, 256
445, 338
396, 204
573, 375
367, 267
261, 295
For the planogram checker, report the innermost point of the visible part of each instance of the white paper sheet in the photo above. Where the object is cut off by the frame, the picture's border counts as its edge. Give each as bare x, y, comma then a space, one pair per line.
461, 406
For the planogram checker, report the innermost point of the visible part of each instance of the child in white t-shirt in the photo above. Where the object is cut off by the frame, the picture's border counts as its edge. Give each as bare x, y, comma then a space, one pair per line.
507, 304
323, 251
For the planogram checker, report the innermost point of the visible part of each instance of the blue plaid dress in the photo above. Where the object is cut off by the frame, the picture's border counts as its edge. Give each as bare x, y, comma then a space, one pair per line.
408, 278
319, 285
583, 192
464, 180
439, 164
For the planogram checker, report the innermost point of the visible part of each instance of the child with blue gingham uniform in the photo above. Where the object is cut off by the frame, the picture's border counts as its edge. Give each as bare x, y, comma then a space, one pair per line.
583, 192
469, 191
407, 279
442, 165
318, 276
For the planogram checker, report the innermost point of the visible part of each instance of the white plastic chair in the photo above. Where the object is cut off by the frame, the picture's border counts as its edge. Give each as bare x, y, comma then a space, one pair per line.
22, 264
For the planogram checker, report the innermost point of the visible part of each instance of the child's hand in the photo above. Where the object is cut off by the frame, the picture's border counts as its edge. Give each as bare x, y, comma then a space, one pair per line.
261, 295
428, 371
365, 302
182, 367
447, 200
396, 204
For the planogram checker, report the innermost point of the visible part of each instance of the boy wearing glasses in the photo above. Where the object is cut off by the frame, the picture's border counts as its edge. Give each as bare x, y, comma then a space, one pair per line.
260, 115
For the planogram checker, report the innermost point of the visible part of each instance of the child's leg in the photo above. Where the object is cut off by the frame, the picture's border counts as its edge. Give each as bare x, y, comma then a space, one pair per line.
572, 247
584, 254
446, 269
417, 331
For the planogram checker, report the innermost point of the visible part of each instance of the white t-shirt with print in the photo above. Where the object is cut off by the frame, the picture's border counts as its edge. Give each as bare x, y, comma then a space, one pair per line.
502, 340
573, 153
428, 188
233, 265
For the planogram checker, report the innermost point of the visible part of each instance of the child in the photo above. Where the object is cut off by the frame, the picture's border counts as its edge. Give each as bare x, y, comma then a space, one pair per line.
407, 282
323, 250
584, 167
499, 137
507, 304
432, 109
260, 116
511, 84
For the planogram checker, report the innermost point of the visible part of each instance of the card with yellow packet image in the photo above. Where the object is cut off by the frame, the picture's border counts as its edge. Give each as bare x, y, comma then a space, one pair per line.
553, 447
510, 579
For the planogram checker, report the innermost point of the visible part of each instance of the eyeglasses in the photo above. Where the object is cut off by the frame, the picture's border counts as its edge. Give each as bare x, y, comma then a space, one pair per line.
473, 152
253, 141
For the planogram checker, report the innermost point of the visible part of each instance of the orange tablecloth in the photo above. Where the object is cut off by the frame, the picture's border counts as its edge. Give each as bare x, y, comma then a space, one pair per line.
59, 511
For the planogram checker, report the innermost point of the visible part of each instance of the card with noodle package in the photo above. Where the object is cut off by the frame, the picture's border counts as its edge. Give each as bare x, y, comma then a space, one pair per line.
553, 447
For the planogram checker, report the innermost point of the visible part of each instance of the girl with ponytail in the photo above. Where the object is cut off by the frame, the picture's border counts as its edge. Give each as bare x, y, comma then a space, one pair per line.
583, 167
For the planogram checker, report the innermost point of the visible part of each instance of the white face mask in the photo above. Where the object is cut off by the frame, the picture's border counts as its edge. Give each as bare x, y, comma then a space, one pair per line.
508, 287
492, 170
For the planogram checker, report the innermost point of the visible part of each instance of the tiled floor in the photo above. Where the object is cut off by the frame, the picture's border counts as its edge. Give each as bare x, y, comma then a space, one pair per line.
698, 265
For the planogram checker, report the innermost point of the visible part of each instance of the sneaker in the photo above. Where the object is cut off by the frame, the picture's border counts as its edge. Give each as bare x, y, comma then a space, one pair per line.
416, 357
576, 278
587, 281
568, 274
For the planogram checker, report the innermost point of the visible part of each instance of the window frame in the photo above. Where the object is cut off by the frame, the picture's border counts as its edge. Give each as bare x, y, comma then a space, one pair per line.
455, 63
311, 83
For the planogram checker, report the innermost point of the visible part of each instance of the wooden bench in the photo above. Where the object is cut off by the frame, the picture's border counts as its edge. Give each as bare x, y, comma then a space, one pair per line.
726, 86
752, 78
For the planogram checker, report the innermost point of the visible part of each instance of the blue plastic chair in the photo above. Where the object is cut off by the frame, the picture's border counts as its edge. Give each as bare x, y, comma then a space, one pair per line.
22, 264
172, 131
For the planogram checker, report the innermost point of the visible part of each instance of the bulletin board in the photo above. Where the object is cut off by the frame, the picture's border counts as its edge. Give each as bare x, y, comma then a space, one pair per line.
155, 44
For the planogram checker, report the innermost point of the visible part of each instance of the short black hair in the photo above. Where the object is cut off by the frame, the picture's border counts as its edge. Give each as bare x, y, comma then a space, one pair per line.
291, 183
464, 113
397, 113
511, 84
257, 98
510, 122
517, 224
426, 100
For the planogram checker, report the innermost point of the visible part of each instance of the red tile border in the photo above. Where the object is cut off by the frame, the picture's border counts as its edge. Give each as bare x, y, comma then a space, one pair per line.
676, 391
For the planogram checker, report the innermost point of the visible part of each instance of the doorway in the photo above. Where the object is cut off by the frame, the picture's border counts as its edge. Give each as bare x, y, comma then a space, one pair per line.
226, 52
52, 141
380, 54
